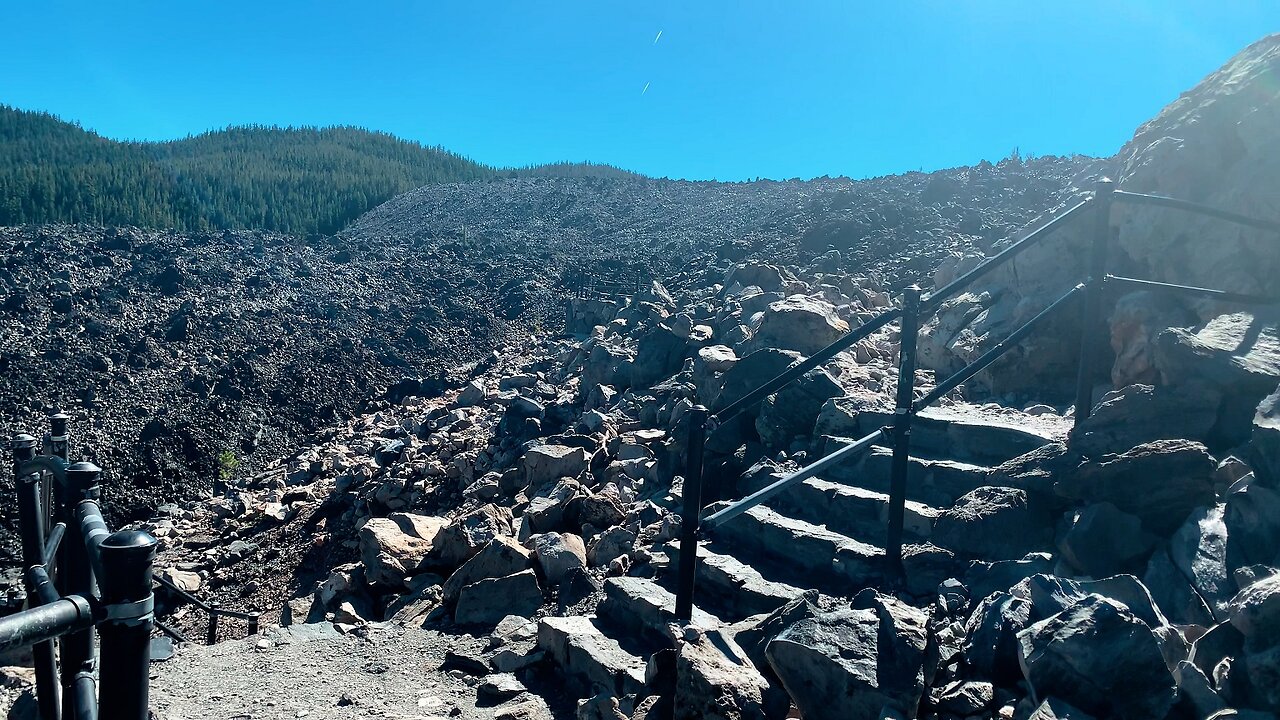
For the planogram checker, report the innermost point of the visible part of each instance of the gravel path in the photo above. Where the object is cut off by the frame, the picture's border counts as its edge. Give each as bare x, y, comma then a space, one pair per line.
315, 672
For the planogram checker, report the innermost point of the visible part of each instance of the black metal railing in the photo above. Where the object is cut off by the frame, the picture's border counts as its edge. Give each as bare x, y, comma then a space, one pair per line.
212, 610
82, 581
913, 308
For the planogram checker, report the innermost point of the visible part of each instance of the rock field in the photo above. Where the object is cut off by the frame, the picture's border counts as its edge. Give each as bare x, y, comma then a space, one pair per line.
502, 539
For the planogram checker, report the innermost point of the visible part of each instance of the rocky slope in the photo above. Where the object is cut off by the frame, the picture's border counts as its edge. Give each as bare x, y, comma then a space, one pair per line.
188, 358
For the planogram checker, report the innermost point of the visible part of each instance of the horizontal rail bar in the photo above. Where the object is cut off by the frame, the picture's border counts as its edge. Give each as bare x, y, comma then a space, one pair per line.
171, 632
736, 407
45, 622
732, 511
994, 353
47, 463
1188, 206
52, 542
1222, 295
935, 300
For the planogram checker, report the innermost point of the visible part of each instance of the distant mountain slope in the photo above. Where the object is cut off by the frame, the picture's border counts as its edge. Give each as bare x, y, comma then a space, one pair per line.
294, 180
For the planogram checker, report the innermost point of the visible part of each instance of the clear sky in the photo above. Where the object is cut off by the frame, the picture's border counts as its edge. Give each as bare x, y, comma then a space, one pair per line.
730, 90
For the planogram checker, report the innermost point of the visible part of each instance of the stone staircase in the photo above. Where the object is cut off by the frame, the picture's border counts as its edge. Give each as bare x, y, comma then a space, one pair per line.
825, 534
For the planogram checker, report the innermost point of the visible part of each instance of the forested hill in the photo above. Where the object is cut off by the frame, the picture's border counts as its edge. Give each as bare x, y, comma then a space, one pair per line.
294, 180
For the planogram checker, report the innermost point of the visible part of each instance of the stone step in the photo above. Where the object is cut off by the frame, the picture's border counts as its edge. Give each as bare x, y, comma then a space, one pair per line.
727, 586
788, 550
937, 483
590, 662
638, 609
971, 433
850, 510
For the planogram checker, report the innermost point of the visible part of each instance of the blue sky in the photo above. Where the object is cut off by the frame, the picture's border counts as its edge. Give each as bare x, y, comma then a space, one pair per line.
736, 90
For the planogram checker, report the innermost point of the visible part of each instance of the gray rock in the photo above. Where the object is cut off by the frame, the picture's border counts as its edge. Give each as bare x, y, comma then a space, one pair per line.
792, 410
1252, 521
1173, 592
1239, 352
1104, 541
1264, 443
716, 680
965, 697
1199, 550
547, 463
991, 644
1055, 709
390, 549
799, 323
488, 601
983, 578
498, 688
1098, 656
833, 666
992, 523
660, 353
502, 556
558, 553
1051, 595
589, 662
461, 539
1138, 414
1161, 482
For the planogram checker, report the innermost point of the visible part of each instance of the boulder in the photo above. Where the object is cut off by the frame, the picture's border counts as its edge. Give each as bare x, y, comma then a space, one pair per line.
1104, 540
547, 463
1037, 470
462, 538
769, 278
1136, 320
1051, 595
1173, 592
791, 411
588, 661
1098, 656
993, 523
799, 323
488, 601
660, 353
1238, 352
847, 664
1264, 443
1255, 612
716, 680
1137, 414
392, 547
558, 553
991, 644
1252, 522
1199, 550
502, 556
1160, 482
750, 372
965, 698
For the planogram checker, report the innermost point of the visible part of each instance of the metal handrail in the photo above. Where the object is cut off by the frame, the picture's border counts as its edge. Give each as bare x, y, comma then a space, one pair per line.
1221, 295
214, 612
1197, 208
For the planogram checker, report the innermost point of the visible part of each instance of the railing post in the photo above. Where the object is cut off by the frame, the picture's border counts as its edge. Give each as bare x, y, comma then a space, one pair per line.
254, 619
211, 637
31, 524
60, 447
127, 559
1102, 197
692, 509
902, 417
75, 577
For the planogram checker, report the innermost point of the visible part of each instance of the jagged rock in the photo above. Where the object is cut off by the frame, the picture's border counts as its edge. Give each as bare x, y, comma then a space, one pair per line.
488, 601
1199, 550
660, 354
461, 539
769, 278
1036, 471
1238, 352
1161, 482
1138, 414
716, 680
500, 557
830, 665
497, 688
598, 510
966, 698
1104, 541
558, 553
392, 547
799, 323
547, 463
752, 371
1051, 595
610, 545
1055, 709
1255, 612
1173, 592
992, 523
547, 509
791, 411
1136, 320
1098, 656
473, 394
983, 578
589, 661
1195, 691
754, 634
1252, 521
646, 609
1264, 444
991, 645
188, 581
